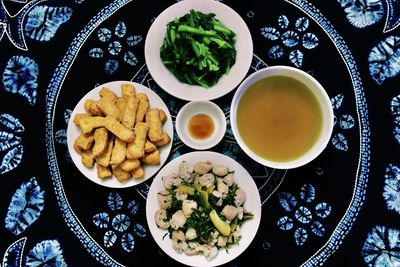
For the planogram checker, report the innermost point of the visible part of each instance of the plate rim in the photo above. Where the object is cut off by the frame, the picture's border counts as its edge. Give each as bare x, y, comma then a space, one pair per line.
113, 182
255, 198
164, 77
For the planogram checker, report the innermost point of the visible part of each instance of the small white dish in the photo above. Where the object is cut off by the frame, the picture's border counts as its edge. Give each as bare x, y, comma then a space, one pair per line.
200, 107
252, 204
167, 81
318, 91
73, 131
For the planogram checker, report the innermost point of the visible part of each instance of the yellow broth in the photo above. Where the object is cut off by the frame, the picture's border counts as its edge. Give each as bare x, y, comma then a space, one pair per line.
279, 118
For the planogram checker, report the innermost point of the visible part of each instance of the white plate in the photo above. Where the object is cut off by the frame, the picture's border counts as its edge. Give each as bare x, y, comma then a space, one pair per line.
200, 107
252, 204
73, 132
167, 81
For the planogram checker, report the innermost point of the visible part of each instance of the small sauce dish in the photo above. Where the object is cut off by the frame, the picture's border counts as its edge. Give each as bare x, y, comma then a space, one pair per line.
200, 124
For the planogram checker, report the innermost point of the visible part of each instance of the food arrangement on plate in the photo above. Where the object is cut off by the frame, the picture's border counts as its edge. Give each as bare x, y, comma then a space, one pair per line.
203, 208
198, 50
118, 132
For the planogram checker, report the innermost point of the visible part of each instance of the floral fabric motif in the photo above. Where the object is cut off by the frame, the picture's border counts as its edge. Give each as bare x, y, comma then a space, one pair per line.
25, 207
302, 218
118, 222
296, 39
20, 77
116, 47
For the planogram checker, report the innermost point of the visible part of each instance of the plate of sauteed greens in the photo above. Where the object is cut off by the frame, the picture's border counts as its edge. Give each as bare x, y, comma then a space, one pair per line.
203, 209
198, 50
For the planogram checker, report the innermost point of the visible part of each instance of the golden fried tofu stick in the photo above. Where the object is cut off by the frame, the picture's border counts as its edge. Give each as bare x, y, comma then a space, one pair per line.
164, 140
118, 152
129, 113
138, 173
88, 124
107, 92
108, 107
142, 107
88, 158
100, 140
163, 116
154, 121
103, 172
152, 158
130, 164
149, 147
118, 129
92, 108
128, 90
104, 158
120, 173
85, 141
121, 103
78, 149
79, 116
135, 149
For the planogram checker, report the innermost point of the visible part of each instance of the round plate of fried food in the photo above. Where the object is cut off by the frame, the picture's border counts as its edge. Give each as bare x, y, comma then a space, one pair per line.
187, 74
203, 209
119, 134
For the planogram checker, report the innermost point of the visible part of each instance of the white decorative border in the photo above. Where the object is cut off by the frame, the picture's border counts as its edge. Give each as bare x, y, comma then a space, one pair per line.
52, 93
360, 188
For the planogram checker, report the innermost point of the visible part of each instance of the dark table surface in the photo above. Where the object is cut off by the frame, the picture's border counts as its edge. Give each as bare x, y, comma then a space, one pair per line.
342, 209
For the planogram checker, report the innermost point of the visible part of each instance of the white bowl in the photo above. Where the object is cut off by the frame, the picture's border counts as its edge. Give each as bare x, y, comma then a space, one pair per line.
321, 96
167, 81
200, 107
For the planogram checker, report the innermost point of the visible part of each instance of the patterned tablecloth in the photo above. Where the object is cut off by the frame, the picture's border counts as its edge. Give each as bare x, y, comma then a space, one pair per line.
342, 209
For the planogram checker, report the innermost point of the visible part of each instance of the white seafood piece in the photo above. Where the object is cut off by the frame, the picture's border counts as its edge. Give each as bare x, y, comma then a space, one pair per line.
177, 220
222, 241
194, 248
222, 187
164, 199
161, 219
236, 235
188, 206
178, 235
240, 197
181, 195
229, 212
202, 167
190, 233
215, 234
228, 179
185, 171
206, 179
179, 245
210, 251
172, 180
220, 170
219, 196
240, 212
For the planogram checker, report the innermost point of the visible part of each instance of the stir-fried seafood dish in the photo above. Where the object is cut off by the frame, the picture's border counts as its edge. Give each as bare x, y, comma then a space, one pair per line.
202, 209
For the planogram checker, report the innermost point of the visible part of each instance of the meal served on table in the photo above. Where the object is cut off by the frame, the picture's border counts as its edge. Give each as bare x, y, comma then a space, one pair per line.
198, 49
201, 207
120, 134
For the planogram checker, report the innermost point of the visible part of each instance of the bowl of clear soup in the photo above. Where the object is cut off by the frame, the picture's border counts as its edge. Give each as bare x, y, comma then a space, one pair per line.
281, 117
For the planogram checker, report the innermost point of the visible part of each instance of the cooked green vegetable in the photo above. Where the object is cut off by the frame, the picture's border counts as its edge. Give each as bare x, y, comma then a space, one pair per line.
198, 49
222, 226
